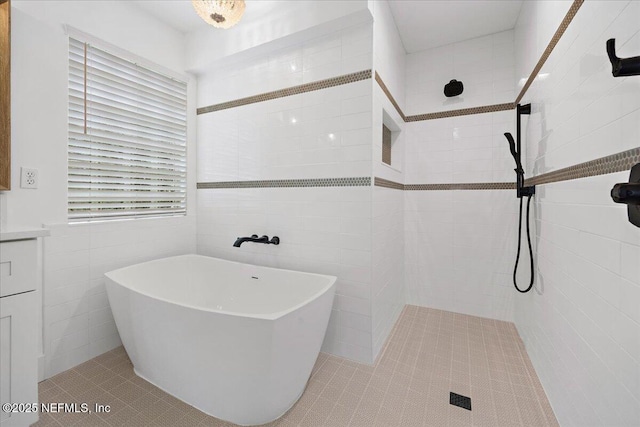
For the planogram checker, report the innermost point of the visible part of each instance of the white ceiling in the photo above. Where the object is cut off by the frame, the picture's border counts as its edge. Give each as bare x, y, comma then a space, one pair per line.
424, 24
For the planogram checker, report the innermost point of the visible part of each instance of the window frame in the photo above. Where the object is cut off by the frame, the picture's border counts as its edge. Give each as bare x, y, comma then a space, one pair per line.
176, 184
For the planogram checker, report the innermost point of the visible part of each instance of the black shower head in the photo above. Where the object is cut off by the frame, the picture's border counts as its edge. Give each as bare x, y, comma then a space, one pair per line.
453, 88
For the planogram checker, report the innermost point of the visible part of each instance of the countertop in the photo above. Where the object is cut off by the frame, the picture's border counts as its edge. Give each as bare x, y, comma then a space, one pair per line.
22, 233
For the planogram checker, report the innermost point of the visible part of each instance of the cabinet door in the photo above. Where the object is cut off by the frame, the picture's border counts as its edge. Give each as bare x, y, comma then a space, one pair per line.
17, 266
18, 356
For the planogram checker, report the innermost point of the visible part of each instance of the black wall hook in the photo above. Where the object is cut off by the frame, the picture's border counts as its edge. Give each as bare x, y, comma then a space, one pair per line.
622, 67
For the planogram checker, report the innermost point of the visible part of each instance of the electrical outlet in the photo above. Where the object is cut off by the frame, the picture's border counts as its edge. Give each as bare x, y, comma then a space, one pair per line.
28, 178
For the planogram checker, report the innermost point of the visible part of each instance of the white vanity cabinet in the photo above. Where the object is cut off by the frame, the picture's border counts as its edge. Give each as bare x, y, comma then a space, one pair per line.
18, 325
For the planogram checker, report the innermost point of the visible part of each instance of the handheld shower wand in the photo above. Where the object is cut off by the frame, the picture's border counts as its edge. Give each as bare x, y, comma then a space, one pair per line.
522, 191
512, 147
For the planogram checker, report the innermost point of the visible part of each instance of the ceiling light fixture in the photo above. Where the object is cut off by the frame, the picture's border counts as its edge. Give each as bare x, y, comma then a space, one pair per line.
219, 13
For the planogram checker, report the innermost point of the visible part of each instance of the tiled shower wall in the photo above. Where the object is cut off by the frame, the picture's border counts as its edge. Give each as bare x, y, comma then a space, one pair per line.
485, 65
78, 321
387, 290
581, 323
320, 134
460, 245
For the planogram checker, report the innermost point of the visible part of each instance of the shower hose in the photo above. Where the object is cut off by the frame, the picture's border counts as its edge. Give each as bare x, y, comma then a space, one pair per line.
515, 269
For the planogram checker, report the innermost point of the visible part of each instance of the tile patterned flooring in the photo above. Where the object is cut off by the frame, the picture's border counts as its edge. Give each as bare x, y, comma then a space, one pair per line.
429, 354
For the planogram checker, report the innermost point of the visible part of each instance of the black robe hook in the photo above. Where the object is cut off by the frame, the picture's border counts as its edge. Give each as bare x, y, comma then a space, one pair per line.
622, 67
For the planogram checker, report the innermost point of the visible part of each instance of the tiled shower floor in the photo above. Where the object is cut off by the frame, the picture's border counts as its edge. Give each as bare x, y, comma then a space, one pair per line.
429, 354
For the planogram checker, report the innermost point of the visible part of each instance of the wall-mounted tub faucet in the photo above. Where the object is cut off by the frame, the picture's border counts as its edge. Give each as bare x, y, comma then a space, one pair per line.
275, 240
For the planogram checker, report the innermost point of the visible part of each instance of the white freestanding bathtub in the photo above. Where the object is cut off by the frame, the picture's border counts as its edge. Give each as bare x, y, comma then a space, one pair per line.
236, 341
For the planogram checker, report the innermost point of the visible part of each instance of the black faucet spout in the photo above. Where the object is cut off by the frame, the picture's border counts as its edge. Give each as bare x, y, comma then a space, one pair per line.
255, 239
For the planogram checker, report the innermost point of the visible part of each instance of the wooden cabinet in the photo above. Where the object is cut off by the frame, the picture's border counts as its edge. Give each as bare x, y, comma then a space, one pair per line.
18, 329
5, 97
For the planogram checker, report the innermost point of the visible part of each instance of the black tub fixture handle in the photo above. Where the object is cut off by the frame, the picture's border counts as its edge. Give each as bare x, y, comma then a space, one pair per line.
622, 67
629, 193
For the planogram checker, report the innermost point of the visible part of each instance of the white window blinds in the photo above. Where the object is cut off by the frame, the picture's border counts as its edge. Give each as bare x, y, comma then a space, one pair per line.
127, 138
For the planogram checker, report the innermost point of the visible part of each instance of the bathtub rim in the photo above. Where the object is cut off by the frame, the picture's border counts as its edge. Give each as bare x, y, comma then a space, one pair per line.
268, 316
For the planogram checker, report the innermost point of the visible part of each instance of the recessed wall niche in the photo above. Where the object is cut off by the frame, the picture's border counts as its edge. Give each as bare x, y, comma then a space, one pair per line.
391, 154
386, 145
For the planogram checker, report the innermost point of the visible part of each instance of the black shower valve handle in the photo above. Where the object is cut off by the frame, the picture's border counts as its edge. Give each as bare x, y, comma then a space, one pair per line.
622, 67
627, 193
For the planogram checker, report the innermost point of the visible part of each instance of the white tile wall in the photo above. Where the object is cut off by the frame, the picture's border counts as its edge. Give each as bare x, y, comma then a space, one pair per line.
78, 324
485, 65
388, 281
578, 105
300, 136
321, 230
389, 56
387, 292
460, 149
338, 53
325, 133
581, 324
536, 24
460, 247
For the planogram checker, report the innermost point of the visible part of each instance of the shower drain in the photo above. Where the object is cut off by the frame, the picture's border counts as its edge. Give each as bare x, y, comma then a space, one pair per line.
460, 400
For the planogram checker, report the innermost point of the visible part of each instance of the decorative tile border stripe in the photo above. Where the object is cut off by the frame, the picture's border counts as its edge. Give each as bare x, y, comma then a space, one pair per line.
618, 162
359, 181
442, 114
387, 92
294, 90
461, 112
604, 165
497, 107
463, 186
552, 44
381, 182
366, 74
